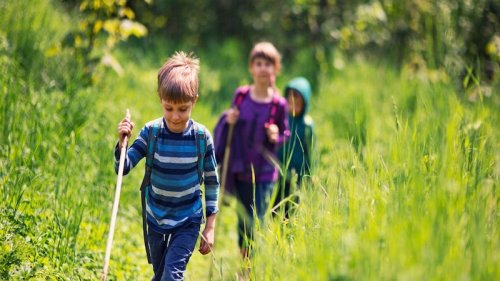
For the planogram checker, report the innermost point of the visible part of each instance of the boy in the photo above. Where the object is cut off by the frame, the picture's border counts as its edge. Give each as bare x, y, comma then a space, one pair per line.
295, 154
173, 197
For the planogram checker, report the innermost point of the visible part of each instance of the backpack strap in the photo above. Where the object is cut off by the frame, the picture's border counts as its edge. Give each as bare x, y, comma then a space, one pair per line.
201, 148
274, 109
151, 146
150, 150
240, 95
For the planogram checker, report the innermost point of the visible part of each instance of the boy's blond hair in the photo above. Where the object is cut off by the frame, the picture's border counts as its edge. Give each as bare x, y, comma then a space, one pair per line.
267, 51
178, 78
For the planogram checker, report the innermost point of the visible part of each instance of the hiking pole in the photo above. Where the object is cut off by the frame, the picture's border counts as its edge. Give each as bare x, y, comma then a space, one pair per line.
225, 161
115, 204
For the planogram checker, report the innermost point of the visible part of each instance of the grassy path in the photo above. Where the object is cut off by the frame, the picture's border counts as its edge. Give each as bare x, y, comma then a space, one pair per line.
405, 181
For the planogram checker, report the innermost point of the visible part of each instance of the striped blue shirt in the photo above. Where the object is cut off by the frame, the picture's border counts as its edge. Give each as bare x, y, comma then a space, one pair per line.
174, 196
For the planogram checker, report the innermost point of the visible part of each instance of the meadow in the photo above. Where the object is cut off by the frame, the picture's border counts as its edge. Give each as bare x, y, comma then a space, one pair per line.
404, 186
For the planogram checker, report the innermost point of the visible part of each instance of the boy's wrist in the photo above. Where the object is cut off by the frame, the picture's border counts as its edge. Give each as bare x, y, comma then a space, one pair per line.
209, 227
210, 223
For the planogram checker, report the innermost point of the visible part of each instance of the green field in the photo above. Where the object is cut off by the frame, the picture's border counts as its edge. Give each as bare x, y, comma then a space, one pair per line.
404, 187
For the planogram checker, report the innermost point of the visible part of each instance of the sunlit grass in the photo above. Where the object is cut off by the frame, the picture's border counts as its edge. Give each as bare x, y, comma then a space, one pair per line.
415, 203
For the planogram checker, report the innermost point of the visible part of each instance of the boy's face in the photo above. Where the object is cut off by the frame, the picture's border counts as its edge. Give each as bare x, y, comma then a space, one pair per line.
177, 114
295, 103
262, 70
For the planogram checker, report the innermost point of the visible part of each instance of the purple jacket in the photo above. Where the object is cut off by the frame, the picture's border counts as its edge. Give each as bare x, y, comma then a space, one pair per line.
250, 146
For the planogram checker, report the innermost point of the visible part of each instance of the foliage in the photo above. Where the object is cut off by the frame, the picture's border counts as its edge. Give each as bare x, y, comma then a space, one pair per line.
43, 168
103, 24
426, 35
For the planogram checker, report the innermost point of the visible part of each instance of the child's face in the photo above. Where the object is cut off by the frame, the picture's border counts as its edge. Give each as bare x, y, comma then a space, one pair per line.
295, 103
177, 114
262, 71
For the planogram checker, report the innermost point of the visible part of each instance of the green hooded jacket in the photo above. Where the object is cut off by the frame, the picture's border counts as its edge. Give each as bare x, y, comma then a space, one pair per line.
296, 152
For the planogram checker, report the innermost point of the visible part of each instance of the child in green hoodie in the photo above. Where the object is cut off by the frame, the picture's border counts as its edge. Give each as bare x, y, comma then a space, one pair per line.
295, 154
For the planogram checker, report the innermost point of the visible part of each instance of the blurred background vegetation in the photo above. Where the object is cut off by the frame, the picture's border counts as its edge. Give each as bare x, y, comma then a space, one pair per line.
405, 98
443, 37
438, 40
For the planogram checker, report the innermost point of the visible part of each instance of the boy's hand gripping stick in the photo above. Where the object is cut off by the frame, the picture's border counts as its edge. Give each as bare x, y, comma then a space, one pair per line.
115, 204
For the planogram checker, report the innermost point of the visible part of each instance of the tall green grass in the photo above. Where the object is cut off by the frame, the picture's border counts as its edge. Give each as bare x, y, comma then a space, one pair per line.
416, 200
49, 172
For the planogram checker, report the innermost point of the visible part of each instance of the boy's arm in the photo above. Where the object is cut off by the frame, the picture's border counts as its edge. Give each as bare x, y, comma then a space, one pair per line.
211, 197
208, 236
134, 153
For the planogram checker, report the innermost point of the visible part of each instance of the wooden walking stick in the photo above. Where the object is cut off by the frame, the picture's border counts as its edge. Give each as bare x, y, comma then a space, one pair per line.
115, 204
225, 161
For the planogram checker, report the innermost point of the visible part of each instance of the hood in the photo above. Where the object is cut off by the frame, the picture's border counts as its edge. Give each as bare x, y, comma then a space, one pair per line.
301, 85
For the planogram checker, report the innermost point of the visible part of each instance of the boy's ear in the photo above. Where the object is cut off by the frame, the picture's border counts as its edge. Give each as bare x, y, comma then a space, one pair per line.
195, 99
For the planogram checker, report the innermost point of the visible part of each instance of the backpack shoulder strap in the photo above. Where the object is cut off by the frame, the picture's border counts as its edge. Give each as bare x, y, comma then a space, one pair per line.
201, 148
241, 93
274, 109
154, 129
153, 132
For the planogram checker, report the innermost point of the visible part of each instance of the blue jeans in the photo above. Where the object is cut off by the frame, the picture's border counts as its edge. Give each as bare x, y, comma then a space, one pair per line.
245, 195
170, 253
